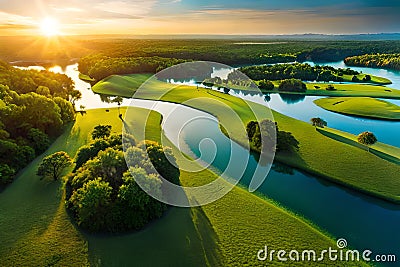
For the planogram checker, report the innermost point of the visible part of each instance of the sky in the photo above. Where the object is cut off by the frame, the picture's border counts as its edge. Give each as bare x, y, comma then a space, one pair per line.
233, 17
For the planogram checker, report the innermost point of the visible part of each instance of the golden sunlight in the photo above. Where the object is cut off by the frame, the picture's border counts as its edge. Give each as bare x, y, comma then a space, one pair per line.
50, 27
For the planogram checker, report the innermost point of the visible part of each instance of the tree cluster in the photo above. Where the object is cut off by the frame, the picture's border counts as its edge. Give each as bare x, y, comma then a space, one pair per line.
304, 72
103, 193
292, 85
33, 111
385, 61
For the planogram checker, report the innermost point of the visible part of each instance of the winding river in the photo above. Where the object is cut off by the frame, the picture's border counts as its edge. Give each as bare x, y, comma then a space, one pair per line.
366, 222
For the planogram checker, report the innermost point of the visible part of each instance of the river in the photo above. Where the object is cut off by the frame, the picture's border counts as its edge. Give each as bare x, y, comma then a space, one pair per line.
366, 222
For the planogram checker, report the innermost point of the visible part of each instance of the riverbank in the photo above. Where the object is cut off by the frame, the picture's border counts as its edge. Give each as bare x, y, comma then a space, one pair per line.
380, 178
361, 106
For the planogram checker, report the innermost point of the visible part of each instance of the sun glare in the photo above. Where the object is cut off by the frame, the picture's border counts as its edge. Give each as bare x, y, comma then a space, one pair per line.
49, 27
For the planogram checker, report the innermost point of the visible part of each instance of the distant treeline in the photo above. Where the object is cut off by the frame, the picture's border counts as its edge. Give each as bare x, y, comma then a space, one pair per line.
304, 72
231, 52
100, 67
385, 61
34, 108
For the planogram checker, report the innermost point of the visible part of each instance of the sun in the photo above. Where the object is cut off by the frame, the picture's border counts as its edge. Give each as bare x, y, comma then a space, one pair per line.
50, 27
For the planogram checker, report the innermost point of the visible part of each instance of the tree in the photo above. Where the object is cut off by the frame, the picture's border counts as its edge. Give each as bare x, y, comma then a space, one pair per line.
74, 96
330, 88
292, 85
39, 141
101, 131
318, 122
367, 78
266, 85
355, 79
367, 138
160, 157
91, 204
67, 110
54, 164
6, 174
119, 101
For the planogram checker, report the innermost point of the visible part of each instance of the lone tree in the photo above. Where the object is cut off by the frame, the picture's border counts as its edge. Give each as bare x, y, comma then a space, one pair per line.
367, 138
101, 131
318, 122
53, 165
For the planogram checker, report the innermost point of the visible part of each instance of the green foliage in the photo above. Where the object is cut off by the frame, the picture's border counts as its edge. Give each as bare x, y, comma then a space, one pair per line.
318, 122
266, 85
53, 165
127, 207
91, 204
67, 111
292, 85
6, 174
355, 79
386, 61
267, 136
304, 72
101, 131
39, 141
14, 155
162, 159
367, 138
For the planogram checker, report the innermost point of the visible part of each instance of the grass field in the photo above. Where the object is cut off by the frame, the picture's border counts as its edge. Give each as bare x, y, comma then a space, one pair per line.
346, 163
387, 152
361, 106
125, 85
374, 79
36, 231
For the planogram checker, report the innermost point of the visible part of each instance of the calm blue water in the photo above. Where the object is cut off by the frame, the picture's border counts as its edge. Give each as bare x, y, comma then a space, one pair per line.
365, 222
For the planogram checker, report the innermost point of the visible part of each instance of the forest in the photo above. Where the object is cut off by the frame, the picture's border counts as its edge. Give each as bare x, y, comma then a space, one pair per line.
34, 108
385, 61
304, 72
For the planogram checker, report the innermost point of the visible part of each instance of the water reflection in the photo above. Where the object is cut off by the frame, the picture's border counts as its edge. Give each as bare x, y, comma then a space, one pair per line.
291, 98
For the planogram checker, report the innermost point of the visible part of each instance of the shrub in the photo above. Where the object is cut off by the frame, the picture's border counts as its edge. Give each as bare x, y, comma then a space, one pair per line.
367, 138
292, 85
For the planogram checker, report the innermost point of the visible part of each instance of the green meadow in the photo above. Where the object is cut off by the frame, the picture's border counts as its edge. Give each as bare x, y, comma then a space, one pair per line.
387, 152
374, 79
361, 106
346, 165
123, 85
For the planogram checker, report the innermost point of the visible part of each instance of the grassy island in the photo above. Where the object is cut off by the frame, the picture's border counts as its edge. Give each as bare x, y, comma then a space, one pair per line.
361, 106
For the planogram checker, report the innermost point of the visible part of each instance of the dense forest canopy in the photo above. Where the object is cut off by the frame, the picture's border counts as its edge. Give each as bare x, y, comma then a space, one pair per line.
34, 108
386, 61
229, 51
300, 71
